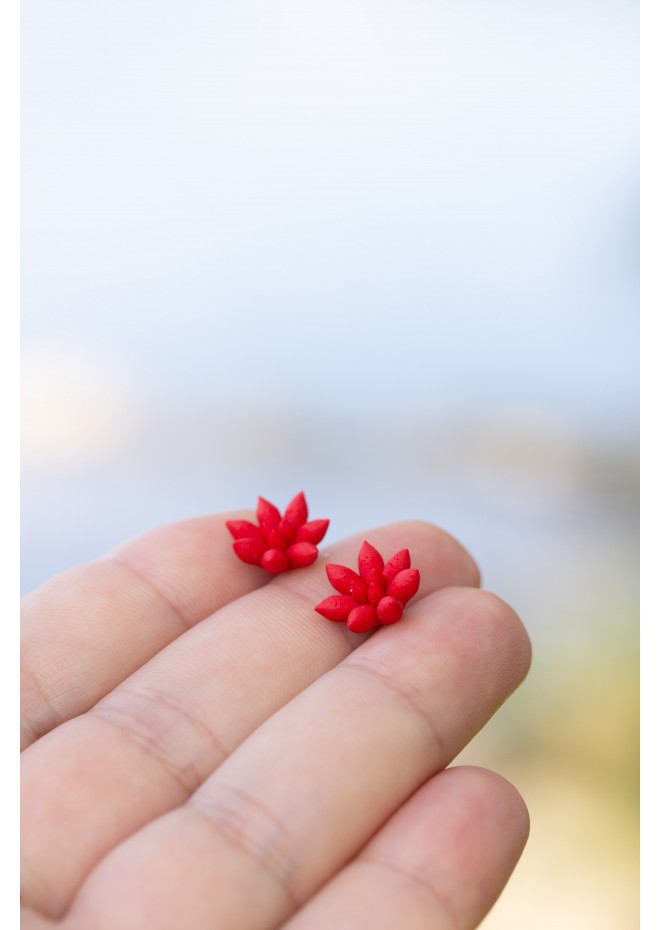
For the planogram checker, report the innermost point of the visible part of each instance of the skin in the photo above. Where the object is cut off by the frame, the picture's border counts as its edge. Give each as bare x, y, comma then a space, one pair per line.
201, 749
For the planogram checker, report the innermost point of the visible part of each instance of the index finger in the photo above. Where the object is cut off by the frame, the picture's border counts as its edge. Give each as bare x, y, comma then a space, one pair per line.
86, 630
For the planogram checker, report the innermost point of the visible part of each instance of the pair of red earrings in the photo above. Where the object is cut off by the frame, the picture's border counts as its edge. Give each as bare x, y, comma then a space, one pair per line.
278, 543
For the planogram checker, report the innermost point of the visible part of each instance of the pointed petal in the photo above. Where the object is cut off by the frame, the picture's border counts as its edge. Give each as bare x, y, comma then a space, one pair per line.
346, 581
336, 607
405, 585
276, 538
288, 530
389, 610
398, 563
267, 514
296, 512
313, 532
243, 528
370, 563
362, 619
274, 561
301, 554
249, 550
374, 593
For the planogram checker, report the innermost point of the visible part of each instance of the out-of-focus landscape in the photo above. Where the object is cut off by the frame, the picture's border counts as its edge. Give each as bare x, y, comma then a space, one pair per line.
385, 253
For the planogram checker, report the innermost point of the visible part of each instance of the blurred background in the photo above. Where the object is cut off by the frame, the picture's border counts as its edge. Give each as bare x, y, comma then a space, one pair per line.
385, 253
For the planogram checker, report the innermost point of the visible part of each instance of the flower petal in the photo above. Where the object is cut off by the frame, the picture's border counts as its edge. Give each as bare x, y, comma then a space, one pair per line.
370, 563
346, 581
296, 512
336, 607
274, 561
267, 514
362, 619
389, 610
301, 554
250, 550
398, 563
313, 532
405, 585
288, 530
375, 592
276, 538
241, 528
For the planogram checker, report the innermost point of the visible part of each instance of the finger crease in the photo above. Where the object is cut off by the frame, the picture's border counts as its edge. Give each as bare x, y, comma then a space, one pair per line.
185, 623
47, 718
405, 692
248, 825
145, 730
418, 878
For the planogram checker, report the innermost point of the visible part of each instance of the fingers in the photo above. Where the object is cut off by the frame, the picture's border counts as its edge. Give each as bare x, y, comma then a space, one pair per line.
86, 630
302, 795
438, 864
176, 719
30, 920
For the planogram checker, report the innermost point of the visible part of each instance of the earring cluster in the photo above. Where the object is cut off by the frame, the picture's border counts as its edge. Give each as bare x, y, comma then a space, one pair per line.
278, 543
374, 596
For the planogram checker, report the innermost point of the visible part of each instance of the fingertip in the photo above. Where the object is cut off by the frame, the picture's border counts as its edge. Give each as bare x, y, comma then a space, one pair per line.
488, 625
514, 635
487, 788
458, 564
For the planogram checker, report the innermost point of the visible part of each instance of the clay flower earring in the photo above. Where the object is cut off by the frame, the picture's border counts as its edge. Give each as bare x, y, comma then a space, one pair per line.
278, 543
376, 596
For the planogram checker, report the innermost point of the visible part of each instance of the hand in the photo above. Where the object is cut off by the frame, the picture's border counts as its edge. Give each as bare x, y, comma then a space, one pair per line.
202, 750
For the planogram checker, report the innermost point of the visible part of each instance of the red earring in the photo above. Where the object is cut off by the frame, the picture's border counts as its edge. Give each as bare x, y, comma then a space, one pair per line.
279, 543
376, 596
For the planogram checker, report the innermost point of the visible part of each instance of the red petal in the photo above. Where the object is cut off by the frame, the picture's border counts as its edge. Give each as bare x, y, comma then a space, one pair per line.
301, 554
288, 530
276, 539
243, 528
389, 610
313, 532
267, 514
336, 607
375, 592
405, 585
296, 512
346, 581
398, 563
362, 619
249, 550
370, 563
274, 561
